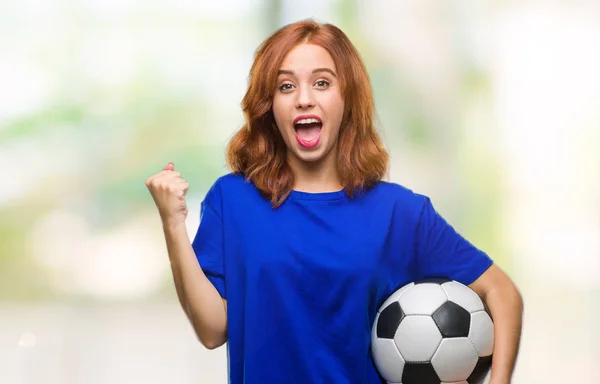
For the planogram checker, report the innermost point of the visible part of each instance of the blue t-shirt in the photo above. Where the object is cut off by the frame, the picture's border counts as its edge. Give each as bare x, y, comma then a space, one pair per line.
303, 282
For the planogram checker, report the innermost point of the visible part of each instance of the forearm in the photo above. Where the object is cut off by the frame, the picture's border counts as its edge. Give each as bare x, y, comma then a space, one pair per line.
198, 297
506, 305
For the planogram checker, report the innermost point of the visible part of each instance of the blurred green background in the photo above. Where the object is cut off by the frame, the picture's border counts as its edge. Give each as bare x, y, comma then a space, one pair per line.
492, 108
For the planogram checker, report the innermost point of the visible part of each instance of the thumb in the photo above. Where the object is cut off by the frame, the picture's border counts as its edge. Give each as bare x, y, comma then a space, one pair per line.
169, 167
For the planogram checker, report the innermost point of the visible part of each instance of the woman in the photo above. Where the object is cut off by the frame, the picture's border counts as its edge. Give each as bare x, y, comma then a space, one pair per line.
301, 243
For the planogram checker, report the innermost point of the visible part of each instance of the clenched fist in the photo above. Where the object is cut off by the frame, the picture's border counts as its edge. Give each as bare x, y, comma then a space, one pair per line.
168, 189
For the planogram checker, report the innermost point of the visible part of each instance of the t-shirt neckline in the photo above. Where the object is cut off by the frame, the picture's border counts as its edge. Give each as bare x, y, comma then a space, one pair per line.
318, 196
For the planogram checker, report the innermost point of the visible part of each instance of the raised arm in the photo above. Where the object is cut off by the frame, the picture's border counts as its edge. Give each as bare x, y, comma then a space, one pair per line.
202, 303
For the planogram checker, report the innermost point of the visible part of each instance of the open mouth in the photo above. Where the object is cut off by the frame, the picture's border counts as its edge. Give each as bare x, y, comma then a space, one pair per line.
308, 131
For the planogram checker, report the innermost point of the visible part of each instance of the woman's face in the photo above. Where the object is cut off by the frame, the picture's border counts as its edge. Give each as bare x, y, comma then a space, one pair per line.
308, 105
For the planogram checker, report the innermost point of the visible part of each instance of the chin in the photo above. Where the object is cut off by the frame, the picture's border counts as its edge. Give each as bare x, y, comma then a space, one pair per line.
310, 156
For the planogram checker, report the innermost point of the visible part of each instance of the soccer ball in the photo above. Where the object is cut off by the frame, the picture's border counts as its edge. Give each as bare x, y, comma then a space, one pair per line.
435, 331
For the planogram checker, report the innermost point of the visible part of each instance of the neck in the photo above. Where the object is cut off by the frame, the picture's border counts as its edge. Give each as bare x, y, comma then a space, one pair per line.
319, 176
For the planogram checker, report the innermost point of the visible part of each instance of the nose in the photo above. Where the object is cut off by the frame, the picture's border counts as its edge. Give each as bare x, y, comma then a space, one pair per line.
305, 98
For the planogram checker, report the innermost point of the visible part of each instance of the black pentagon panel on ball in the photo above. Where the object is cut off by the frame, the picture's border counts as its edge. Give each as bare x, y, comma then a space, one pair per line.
389, 320
433, 280
452, 320
420, 373
481, 370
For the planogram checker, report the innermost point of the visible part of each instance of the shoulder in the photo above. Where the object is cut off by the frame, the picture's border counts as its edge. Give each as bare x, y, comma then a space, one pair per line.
406, 204
232, 181
230, 186
398, 194
229, 183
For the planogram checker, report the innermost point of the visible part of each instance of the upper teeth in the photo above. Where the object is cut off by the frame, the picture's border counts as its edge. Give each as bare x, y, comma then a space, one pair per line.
307, 121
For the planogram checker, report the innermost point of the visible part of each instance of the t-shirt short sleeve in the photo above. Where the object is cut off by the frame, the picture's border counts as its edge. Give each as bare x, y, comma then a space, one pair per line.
208, 241
442, 252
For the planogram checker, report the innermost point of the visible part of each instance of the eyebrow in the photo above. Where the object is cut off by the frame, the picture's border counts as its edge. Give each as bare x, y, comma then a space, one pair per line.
316, 70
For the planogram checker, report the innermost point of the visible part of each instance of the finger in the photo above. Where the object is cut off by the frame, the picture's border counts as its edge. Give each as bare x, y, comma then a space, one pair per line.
169, 167
153, 177
185, 185
181, 184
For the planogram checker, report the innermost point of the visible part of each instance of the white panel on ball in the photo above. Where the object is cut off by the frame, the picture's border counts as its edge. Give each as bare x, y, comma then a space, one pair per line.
417, 338
455, 359
422, 299
463, 296
374, 328
388, 359
481, 333
396, 295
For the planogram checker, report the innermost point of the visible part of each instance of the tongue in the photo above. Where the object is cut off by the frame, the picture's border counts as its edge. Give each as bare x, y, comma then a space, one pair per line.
309, 132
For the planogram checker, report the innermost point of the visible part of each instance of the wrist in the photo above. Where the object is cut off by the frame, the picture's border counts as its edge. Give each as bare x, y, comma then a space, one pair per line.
173, 225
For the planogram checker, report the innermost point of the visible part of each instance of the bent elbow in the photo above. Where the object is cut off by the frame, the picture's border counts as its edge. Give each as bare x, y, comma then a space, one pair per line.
513, 297
516, 294
520, 301
212, 343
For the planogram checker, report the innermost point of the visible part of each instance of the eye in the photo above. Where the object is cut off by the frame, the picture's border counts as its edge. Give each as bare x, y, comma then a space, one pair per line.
285, 87
322, 83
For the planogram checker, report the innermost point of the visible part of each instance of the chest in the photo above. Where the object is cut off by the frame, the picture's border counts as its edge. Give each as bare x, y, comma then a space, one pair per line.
315, 240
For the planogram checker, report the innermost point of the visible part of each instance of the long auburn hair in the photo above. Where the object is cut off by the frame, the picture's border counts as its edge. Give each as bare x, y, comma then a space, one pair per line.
257, 151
